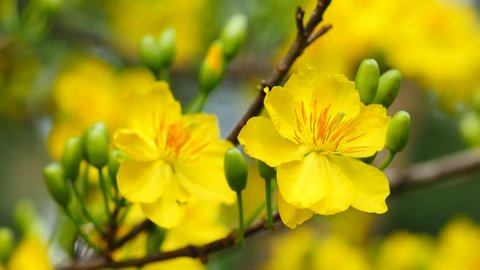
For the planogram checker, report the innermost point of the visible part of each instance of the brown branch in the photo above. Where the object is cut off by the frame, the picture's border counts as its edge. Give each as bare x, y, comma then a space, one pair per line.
144, 225
191, 251
305, 36
434, 171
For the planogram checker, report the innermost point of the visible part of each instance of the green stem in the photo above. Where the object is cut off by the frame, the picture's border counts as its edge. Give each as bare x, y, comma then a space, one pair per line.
241, 229
388, 159
80, 231
197, 104
268, 191
85, 210
105, 193
163, 74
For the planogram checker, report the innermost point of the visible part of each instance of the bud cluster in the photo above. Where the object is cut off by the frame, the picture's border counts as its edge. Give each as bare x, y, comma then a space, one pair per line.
382, 89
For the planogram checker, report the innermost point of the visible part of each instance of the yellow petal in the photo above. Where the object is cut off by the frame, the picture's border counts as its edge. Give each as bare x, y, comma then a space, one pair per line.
144, 182
134, 146
205, 176
340, 190
369, 134
201, 126
261, 141
292, 216
305, 182
152, 113
371, 184
280, 105
338, 94
169, 210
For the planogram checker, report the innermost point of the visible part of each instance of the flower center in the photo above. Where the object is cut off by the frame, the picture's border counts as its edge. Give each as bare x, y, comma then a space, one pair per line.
324, 130
181, 145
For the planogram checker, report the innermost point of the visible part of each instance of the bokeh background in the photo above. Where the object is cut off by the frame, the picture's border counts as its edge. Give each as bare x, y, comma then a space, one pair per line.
64, 63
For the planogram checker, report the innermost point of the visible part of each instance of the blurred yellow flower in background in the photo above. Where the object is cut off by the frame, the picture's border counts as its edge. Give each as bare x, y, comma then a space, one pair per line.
318, 129
403, 250
433, 42
31, 253
458, 246
308, 249
89, 91
152, 17
170, 158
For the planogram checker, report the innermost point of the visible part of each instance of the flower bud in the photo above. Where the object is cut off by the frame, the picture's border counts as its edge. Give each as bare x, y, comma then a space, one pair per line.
96, 144
56, 183
71, 157
6, 244
115, 159
157, 53
236, 170
470, 128
212, 68
166, 46
233, 35
398, 132
265, 171
388, 86
155, 239
366, 80
149, 53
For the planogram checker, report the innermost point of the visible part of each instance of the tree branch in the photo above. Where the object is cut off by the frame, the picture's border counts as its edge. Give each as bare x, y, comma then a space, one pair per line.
305, 36
453, 165
429, 172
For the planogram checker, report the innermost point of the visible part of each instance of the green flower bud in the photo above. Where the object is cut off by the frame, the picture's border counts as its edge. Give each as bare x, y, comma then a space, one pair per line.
233, 35
236, 170
71, 157
114, 161
366, 80
166, 46
149, 53
265, 171
470, 128
6, 244
158, 53
388, 87
155, 239
96, 144
56, 183
212, 68
398, 132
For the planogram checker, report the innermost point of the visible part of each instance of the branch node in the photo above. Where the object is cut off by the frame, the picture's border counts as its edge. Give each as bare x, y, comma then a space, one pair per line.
299, 15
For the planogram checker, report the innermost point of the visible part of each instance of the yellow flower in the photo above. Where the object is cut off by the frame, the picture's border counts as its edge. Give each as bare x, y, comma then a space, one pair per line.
308, 249
404, 250
90, 91
31, 253
318, 128
458, 245
171, 157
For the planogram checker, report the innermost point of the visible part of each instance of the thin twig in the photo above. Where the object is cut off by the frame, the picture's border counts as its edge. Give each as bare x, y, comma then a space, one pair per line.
144, 225
304, 34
